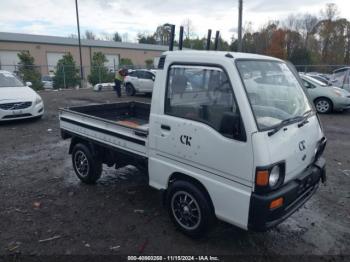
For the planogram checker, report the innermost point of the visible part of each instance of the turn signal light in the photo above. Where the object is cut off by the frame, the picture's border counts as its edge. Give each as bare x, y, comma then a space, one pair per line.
262, 177
276, 203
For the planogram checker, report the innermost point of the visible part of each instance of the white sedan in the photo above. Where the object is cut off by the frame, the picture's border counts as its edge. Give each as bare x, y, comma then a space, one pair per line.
18, 101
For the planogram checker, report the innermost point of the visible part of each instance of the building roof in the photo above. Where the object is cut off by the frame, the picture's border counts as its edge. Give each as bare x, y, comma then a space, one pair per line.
58, 40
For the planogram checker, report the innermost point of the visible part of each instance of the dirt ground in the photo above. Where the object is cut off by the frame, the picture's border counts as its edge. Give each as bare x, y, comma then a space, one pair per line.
46, 210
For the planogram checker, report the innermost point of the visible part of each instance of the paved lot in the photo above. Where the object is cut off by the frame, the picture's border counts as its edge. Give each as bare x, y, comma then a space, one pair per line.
41, 199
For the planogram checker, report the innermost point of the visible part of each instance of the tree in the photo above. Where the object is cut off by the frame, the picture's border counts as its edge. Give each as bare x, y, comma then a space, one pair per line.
146, 39
149, 63
67, 74
90, 35
162, 34
117, 37
99, 72
188, 28
125, 62
28, 71
276, 47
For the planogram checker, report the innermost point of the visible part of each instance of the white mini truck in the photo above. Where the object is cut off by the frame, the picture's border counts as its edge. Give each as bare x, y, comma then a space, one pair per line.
231, 136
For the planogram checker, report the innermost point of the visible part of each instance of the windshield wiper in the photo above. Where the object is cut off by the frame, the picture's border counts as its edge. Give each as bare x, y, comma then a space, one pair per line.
283, 123
305, 118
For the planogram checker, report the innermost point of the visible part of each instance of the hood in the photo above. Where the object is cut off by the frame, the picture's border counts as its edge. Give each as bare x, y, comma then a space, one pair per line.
10, 94
296, 146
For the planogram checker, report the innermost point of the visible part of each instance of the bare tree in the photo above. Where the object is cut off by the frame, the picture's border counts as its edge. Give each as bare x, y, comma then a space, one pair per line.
125, 37
188, 28
331, 12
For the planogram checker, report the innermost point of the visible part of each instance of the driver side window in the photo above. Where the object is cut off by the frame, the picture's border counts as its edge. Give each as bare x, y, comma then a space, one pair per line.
201, 93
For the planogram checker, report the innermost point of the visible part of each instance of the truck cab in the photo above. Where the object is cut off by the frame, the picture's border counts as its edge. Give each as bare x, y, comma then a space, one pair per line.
229, 136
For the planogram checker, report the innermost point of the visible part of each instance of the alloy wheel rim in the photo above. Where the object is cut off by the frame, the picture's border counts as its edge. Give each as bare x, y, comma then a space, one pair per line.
322, 106
81, 163
186, 210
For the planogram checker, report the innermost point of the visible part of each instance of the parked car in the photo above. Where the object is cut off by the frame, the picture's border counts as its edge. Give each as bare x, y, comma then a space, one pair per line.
139, 81
47, 81
321, 78
341, 78
326, 98
18, 101
212, 150
103, 86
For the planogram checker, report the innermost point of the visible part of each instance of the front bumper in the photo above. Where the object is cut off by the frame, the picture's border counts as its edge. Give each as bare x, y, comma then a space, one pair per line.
295, 193
35, 110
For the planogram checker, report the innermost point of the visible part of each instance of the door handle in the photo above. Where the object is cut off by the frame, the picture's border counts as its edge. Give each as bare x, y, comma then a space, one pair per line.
165, 127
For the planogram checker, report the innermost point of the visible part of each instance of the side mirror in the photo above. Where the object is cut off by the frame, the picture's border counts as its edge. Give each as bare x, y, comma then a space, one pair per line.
153, 78
29, 84
232, 126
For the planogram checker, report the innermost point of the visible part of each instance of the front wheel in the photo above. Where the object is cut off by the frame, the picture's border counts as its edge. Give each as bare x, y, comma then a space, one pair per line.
323, 105
189, 208
87, 168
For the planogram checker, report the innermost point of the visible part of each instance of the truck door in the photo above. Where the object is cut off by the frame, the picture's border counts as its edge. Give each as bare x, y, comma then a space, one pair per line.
201, 126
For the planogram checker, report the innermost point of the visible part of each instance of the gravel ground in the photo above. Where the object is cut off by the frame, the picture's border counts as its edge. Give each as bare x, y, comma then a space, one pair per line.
45, 210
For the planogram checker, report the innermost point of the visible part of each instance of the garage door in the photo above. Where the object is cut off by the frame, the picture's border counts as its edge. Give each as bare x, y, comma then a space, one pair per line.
9, 60
52, 59
113, 62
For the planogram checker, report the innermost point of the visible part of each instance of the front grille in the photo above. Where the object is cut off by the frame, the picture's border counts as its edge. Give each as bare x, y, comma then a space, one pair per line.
15, 106
16, 116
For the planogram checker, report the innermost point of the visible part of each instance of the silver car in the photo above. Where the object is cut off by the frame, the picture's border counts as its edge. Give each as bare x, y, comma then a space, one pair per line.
326, 98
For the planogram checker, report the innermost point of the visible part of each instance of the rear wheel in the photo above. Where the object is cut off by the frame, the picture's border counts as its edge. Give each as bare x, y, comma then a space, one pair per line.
87, 168
323, 105
129, 89
189, 208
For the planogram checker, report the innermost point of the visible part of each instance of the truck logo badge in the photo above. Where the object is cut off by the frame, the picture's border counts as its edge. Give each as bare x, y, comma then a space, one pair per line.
186, 140
302, 146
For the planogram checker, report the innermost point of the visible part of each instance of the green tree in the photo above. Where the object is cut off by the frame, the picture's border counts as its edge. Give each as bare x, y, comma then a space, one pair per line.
117, 37
99, 72
149, 63
67, 74
125, 62
28, 71
146, 39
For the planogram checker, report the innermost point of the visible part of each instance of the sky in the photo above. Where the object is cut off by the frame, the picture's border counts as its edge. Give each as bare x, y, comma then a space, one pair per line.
130, 17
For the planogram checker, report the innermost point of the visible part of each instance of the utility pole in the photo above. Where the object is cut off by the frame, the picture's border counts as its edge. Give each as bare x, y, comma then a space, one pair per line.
240, 7
81, 61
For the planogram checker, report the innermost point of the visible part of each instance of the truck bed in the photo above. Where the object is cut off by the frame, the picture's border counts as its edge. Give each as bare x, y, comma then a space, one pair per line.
122, 125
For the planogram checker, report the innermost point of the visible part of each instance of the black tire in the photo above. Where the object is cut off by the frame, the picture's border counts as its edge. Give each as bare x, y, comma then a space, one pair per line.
129, 89
194, 223
323, 105
86, 167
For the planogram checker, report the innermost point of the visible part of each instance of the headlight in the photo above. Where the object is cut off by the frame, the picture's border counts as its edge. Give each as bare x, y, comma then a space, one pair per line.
269, 178
38, 100
339, 93
274, 176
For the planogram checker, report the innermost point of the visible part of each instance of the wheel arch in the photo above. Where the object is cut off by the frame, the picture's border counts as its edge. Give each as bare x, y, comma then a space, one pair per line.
324, 97
78, 140
178, 176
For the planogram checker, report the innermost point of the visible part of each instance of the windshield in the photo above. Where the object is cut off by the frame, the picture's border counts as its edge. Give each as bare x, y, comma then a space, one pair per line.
315, 80
273, 91
9, 80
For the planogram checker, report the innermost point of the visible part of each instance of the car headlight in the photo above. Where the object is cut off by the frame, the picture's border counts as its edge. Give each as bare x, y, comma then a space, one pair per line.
274, 176
38, 100
269, 178
339, 93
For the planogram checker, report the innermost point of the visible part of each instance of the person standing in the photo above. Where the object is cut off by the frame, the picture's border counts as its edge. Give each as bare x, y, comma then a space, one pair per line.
118, 81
